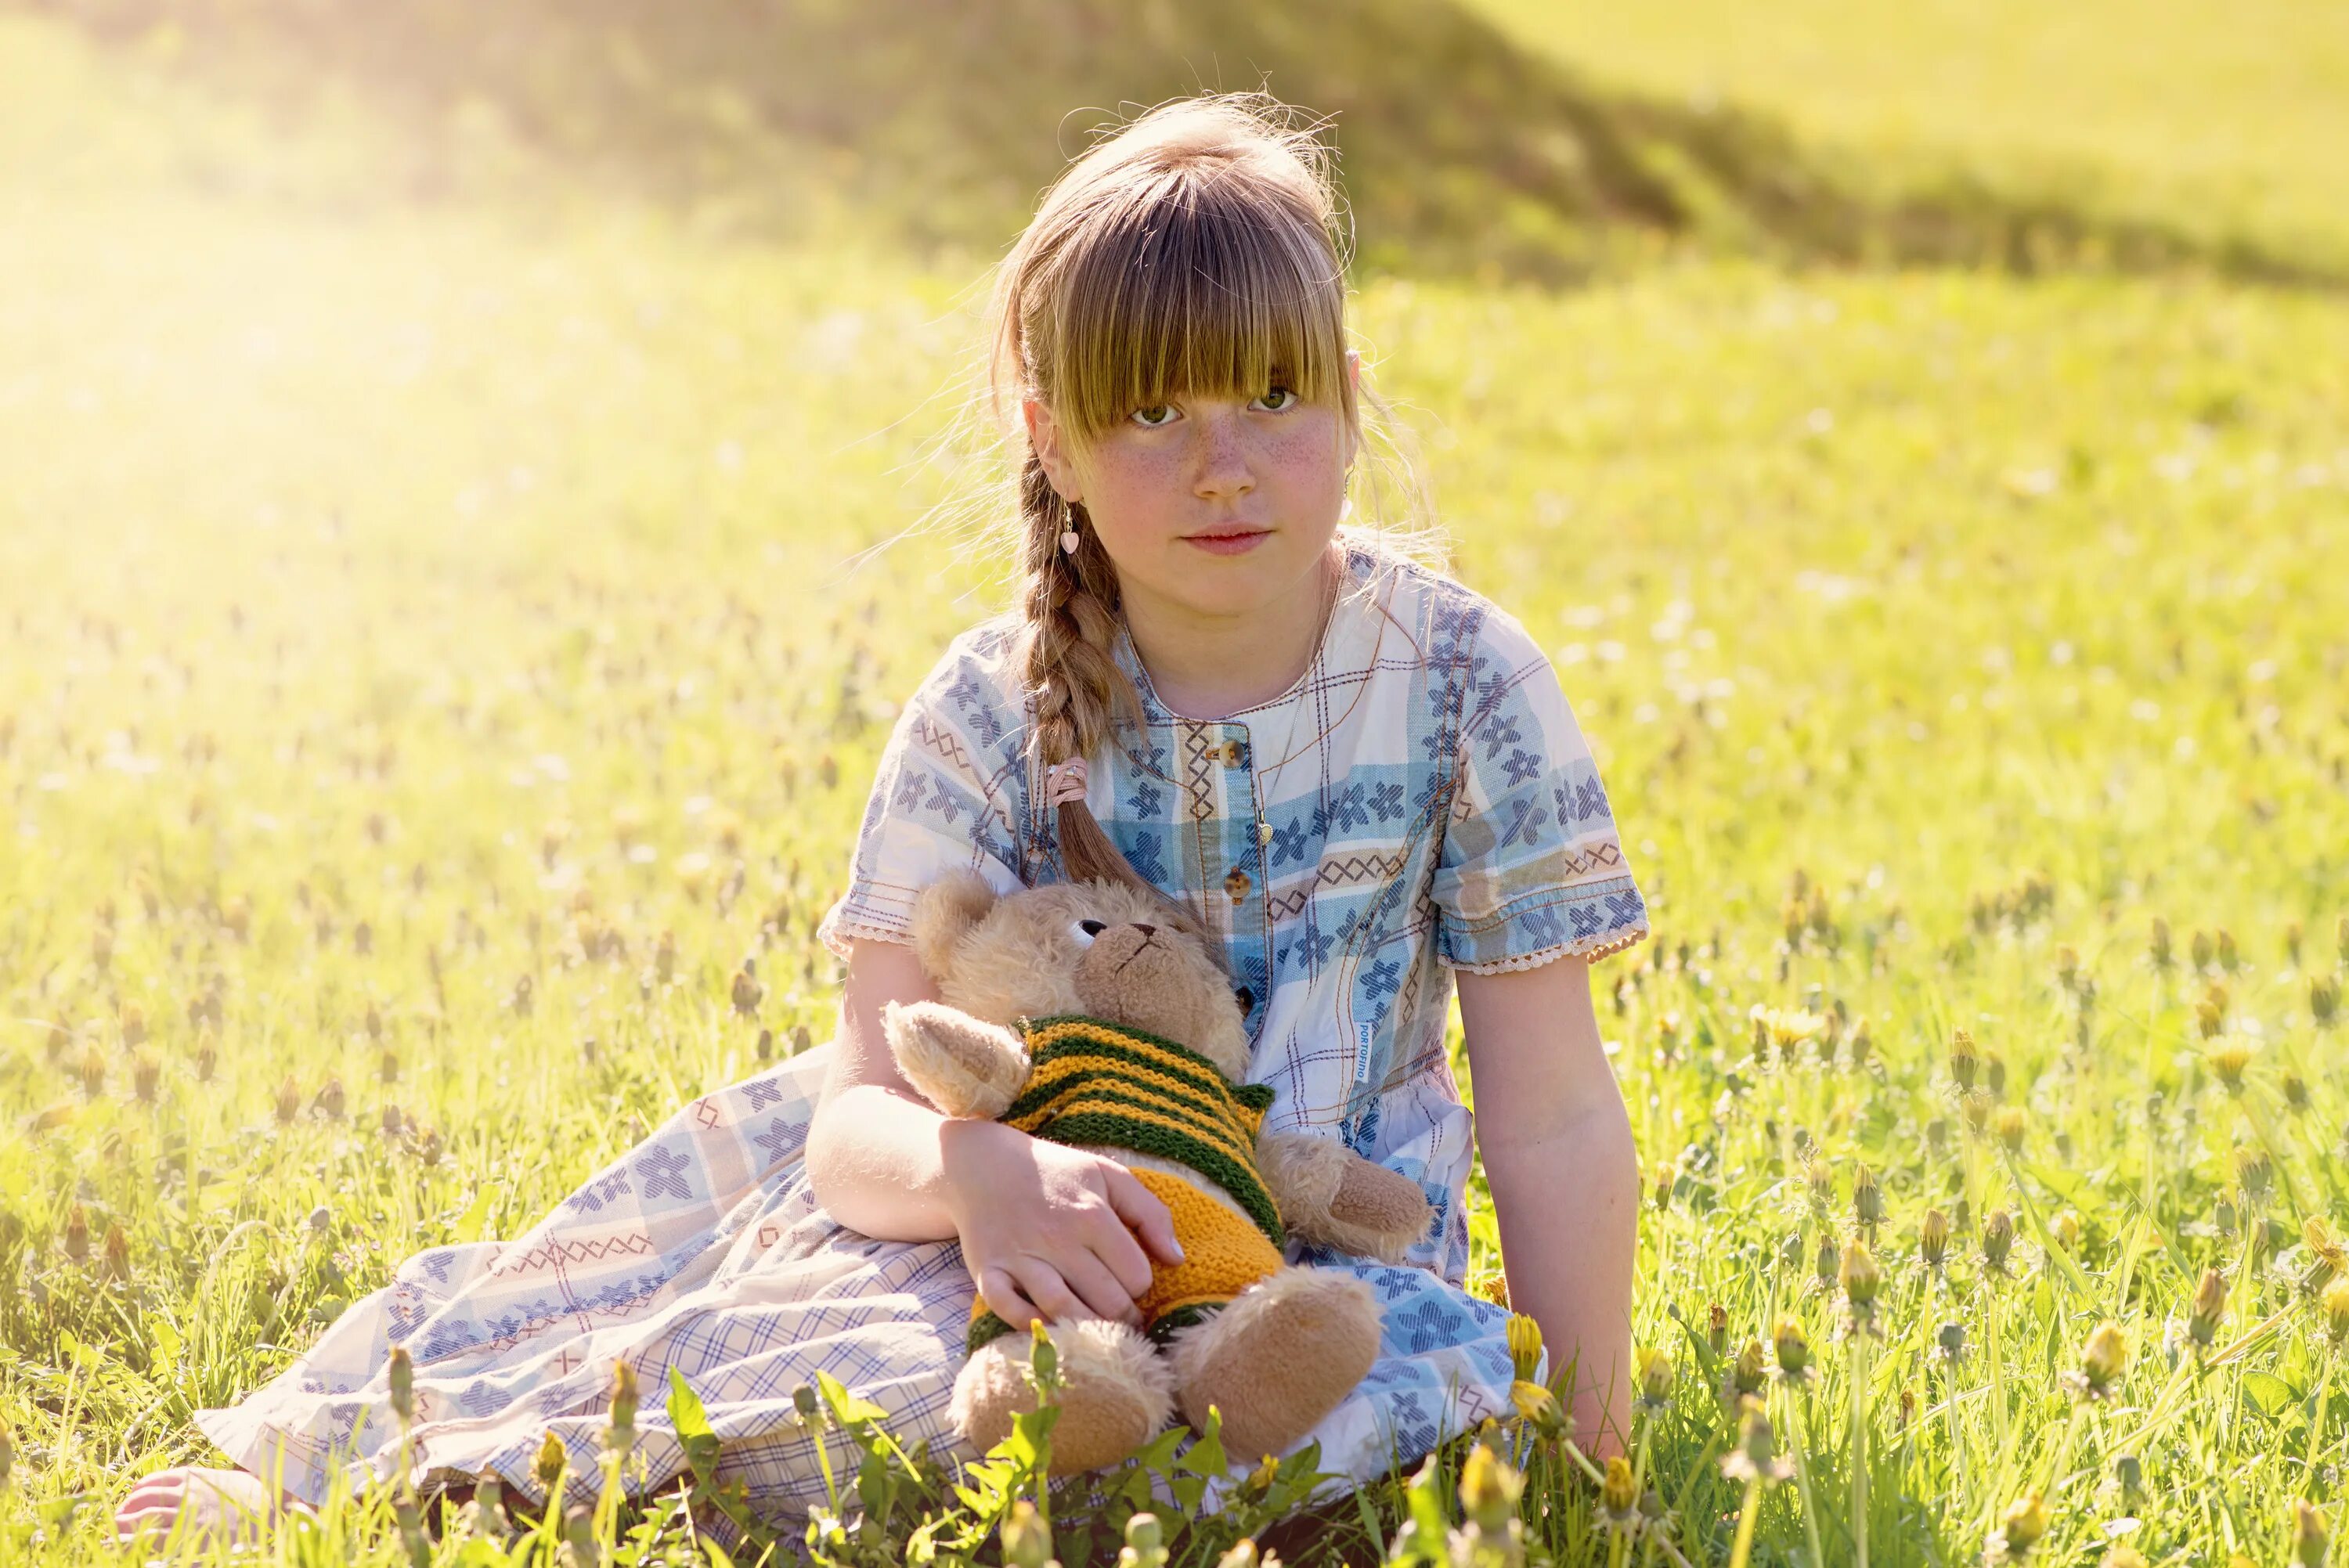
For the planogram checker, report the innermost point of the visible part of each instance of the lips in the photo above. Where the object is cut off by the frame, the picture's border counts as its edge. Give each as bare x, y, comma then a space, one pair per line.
1229, 540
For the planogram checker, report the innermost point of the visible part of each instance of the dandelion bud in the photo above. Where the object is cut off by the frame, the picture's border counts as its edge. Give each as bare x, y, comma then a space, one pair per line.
1793, 1346
1860, 1277
207, 1057
93, 1072
2324, 1000
1489, 1488
1662, 1188
1997, 1238
1716, 1328
2230, 1058
1525, 1344
1821, 1182
1748, 1372
8, 1455
2023, 1524
1618, 1492
2310, 1539
2067, 966
1952, 1340
2295, 1094
1656, 1377
321, 1220
289, 1100
1962, 1060
118, 1253
2066, 1229
2340, 938
2210, 1308
2122, 1555
2103, 1359
330, 1098
1755, 1456
1994, 1073
2157, 944
2129, 1478
1027, 1539
401, 1376
145, 1072
76, 1234
2293, 934
2011, 1125
1933, 1239
1975, 1105
1867, 1199
2201, 949
1826, 1263
1537, 1407
388, 1069
2253, 1171
552, 1460
2335, 1302
747, 991
624, 1397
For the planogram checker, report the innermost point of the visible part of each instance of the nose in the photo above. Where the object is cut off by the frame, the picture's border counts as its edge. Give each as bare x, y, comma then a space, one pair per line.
1145, 930
1223, 457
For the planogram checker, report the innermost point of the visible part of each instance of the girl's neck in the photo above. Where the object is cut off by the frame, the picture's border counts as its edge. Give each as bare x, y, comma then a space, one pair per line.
1204, 667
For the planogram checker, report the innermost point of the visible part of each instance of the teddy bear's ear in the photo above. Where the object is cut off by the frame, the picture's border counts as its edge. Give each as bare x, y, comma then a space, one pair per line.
945, 913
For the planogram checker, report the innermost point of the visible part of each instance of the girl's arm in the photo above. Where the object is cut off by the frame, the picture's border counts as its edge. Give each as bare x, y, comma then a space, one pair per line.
1556, 1145
1046, 1230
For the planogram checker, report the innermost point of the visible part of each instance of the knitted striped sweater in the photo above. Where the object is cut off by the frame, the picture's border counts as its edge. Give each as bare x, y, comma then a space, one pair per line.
1106, 1084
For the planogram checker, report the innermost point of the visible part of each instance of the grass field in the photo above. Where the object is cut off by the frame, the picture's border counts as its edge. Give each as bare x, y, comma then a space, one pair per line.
434, 662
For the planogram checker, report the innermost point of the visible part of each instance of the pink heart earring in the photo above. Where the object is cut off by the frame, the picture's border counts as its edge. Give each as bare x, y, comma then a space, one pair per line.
1068, 540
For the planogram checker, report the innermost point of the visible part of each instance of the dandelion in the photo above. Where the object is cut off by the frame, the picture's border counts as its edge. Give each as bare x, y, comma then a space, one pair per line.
1656, 1377
2229, 958
2066, 1229
1820, 1181
289, 1100
1747, 1373
2335, 1305
2019, 1529
2011, 1125
1997, 1240
2253, 1172
1933, 1239
2157, 944
1619, 1494
1867, 1200
2102, 1361
552, 1459
1489, 1488
1793, 1349
2200, 949
1537, 1407
2230, 1059
2310, 1538
1755, 1456
1962, 1059
1951, 1341
400, 1376
145, 1073
2208, 1310
1525, 1337
2324, 1000
118, 1253
2295, 1094
76, 1234
747, 991
93, 1072
2067, 966
1716, 1328
2330, 1258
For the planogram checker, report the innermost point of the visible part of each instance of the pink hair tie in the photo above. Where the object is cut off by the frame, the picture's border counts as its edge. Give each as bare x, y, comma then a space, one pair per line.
1065, 782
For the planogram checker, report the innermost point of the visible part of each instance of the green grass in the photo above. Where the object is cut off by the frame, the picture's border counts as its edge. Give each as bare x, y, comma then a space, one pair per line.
479, 577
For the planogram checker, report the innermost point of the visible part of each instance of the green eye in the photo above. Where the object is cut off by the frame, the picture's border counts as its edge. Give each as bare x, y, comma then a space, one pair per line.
1152, 409
1283, 392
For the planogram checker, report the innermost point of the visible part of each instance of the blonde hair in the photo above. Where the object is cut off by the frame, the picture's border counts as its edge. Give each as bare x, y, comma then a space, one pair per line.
1200, 247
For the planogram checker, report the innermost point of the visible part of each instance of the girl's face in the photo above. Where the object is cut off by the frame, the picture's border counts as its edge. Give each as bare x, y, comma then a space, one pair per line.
1210, 507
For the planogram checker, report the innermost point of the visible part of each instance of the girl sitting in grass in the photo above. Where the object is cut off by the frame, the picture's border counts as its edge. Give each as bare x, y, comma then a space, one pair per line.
1358, 778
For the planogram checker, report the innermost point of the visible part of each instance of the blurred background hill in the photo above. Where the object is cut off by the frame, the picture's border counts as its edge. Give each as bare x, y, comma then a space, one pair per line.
1490, 138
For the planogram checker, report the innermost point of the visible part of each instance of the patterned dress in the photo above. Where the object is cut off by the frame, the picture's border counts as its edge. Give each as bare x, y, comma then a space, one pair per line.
1421, 800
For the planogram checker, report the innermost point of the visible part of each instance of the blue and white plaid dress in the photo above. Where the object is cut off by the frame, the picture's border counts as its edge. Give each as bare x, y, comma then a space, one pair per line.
1421, 800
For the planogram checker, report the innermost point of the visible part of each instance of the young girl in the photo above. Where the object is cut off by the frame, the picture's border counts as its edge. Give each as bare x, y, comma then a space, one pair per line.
1359, 779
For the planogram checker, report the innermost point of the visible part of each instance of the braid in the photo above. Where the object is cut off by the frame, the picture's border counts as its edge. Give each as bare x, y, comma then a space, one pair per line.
1069, 605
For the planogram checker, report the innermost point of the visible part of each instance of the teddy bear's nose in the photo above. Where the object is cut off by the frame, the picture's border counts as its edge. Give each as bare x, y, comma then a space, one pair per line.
1145, 930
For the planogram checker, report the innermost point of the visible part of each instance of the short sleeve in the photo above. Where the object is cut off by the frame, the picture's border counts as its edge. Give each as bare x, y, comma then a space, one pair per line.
943, 800
1531, 867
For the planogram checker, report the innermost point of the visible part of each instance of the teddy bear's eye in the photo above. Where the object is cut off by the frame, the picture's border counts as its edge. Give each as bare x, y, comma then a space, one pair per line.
1086, 930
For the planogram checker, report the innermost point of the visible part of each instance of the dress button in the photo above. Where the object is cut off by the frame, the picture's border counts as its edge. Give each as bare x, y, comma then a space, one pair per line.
1235, 753
1236, 884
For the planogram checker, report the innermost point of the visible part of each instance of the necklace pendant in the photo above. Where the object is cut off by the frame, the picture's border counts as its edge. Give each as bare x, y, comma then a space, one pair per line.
1263, 831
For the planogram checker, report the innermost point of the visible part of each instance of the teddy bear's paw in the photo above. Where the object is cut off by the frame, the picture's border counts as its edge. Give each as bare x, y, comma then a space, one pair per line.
1378, 1211
1116, 1392
962, 1064
1277, 1359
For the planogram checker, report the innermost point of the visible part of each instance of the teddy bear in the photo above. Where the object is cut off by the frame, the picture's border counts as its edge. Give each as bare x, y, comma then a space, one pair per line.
1092, 1014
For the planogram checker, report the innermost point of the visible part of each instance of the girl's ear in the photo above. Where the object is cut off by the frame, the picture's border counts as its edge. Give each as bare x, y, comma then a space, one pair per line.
1044, 440
944, 914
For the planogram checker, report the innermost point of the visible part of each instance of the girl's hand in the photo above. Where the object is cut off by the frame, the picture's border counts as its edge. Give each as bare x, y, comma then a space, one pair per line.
1049, 1231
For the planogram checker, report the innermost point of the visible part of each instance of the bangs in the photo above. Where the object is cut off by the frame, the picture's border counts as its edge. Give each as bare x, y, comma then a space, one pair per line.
1194, 285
